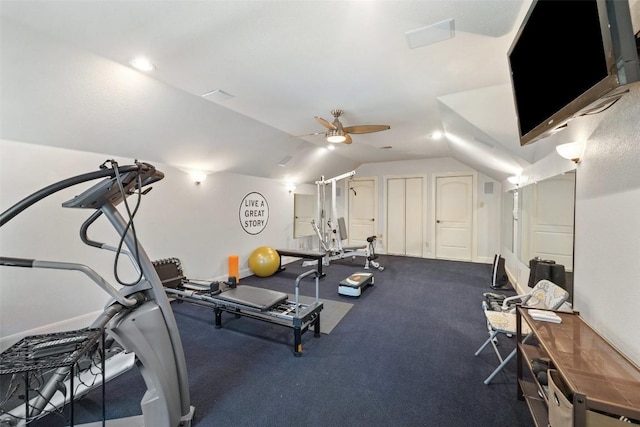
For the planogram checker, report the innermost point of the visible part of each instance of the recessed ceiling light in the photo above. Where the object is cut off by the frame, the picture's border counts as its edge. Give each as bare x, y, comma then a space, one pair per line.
142, 64
436, 135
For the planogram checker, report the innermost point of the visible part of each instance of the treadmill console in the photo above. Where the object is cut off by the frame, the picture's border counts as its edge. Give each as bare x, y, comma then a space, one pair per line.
108, 190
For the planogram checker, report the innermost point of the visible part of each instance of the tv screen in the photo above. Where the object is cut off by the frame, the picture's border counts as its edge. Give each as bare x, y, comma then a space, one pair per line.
567, 56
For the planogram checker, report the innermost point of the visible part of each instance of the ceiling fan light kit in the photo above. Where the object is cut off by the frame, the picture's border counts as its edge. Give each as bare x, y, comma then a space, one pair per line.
337, 133
335, 136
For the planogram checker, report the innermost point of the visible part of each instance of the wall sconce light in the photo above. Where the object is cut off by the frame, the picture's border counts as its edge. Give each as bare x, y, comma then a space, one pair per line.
290, 186
571, 151
515, 179
198, 177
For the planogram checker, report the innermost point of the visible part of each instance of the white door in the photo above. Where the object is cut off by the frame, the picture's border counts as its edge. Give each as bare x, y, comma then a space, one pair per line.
362, 211
404, 216
454, 217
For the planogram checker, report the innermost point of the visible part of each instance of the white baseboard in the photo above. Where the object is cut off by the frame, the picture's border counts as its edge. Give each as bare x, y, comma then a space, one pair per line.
514, 281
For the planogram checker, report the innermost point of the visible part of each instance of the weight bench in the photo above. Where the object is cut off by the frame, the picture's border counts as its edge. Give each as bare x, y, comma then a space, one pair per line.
318, 256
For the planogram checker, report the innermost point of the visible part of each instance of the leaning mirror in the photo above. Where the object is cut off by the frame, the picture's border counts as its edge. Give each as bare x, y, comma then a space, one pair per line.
507, 211
546, 213
304, 211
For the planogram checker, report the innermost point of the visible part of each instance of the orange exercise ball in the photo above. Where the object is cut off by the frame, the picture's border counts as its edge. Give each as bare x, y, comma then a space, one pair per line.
264, 261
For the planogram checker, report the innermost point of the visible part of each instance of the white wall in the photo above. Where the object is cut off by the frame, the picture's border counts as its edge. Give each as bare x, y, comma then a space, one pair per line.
487, 206
607, 252
197, 223
607, 222
31, 298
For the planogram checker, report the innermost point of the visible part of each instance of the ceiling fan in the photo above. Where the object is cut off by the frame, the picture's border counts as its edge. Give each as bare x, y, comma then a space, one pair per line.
337, 133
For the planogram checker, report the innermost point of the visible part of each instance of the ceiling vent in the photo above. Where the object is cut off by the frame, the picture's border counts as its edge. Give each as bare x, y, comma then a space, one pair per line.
217, 95
440, 31
284, 161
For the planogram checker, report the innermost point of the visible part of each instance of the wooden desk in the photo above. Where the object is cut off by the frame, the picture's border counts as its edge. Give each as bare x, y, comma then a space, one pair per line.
600, 378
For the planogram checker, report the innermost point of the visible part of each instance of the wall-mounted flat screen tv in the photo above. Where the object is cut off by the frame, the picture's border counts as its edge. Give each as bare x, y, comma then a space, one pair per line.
570, 58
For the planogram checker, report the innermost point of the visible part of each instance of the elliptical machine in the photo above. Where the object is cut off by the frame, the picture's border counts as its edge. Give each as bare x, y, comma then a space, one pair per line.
138, 317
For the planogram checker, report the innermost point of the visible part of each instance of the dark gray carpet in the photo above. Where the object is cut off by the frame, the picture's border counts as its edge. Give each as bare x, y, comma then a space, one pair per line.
401, 356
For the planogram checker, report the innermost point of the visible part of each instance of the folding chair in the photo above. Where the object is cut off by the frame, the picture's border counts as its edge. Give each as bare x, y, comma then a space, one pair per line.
545, 295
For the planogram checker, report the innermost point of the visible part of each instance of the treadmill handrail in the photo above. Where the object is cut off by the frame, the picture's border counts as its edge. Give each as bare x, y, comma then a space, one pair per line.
88, 271
85, 238
23, 204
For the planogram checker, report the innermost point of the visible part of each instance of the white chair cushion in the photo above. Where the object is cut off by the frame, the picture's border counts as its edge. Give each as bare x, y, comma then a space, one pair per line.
504, 322
546, 295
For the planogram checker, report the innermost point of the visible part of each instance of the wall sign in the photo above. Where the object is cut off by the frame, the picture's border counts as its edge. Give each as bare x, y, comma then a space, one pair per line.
254, 213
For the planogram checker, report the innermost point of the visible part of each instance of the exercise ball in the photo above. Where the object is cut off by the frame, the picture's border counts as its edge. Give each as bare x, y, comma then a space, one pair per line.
264, 261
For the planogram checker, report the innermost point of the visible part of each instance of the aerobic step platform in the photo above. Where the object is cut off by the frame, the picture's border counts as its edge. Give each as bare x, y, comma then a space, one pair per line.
353, 285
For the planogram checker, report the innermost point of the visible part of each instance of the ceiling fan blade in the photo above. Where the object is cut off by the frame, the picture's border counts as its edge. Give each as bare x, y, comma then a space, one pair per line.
366, 128
348, 139
325, 123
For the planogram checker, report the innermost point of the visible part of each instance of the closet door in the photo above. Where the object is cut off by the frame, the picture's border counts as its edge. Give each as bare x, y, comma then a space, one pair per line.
413, 217
395, 216
404, 216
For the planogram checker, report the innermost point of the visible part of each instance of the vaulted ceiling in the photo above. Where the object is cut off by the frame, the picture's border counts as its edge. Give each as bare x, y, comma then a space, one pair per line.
417, 66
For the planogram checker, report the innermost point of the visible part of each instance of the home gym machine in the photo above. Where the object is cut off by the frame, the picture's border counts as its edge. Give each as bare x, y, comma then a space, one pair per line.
138, 316
247, 301
330, 235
